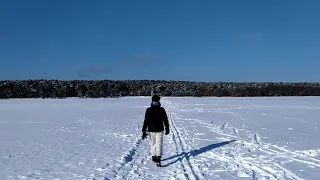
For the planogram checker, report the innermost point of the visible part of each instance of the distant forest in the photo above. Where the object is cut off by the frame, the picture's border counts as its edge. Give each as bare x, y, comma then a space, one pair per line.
109, 88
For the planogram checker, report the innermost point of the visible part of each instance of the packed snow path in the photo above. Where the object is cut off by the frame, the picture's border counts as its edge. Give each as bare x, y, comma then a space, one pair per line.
210, 138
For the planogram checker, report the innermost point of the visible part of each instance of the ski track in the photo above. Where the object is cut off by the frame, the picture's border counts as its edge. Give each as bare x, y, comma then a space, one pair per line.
128, 160
261, 173
263, 166
136, 162
192, 172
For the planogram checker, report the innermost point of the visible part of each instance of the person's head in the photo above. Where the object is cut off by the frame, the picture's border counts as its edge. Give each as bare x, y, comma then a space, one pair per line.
156, 101
155, 98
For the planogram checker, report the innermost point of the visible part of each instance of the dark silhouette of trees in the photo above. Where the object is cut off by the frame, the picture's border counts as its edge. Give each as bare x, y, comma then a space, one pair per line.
108, 88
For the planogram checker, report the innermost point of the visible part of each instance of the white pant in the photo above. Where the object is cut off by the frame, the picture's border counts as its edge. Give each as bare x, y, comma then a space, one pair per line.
156, 143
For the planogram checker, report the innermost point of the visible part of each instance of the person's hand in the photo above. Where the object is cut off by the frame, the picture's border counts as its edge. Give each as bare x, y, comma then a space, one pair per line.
144, 135
167, 131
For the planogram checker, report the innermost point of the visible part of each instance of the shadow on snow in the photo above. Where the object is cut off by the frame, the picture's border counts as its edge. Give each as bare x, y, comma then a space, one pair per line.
195, 152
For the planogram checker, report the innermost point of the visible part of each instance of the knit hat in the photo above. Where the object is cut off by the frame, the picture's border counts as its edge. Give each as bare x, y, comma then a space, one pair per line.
156, 98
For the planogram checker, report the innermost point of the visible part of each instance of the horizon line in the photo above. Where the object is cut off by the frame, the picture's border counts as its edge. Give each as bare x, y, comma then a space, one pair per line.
163, 80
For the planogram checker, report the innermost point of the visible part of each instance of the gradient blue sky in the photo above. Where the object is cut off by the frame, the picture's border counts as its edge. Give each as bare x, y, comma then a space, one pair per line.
207, 40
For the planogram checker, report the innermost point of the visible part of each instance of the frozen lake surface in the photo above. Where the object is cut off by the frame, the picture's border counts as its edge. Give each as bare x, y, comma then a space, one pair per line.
210, 138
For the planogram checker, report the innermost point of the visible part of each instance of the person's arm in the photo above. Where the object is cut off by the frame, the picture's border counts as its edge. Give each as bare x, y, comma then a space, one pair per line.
145, 122
165, 121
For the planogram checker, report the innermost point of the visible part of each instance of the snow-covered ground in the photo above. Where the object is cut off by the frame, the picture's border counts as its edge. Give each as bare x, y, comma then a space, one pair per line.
210, 138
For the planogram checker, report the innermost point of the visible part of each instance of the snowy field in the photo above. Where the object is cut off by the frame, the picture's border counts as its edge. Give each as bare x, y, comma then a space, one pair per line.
210, 138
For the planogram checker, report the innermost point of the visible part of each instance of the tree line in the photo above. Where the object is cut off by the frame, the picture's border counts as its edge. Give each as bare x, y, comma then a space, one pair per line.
110, 88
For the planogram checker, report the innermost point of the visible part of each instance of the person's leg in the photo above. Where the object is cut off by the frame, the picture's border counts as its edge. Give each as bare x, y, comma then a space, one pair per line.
159, 141
153, 145
159, 145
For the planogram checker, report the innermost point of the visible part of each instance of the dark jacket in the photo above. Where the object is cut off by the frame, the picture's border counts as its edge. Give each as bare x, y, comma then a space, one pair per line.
155, 119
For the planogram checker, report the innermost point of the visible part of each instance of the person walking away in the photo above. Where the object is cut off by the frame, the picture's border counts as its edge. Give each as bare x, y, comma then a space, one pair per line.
155, 121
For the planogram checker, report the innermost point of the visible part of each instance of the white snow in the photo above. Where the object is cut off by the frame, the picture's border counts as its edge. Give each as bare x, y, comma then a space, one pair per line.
210, 138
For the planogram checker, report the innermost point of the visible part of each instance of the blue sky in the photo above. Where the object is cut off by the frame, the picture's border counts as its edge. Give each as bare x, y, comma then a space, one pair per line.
163, 40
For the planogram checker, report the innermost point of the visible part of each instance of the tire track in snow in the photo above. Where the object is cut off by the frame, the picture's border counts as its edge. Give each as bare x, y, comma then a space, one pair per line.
143, 168
129, 155
119, 169
135, 163
260, 169
127, 158
256, 169
278, 151
191, 172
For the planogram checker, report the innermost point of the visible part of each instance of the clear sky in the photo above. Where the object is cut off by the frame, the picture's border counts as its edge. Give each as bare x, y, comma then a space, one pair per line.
207, 40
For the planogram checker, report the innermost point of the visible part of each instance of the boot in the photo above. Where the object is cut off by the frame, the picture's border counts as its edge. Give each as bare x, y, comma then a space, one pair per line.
158, 159
154, 158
